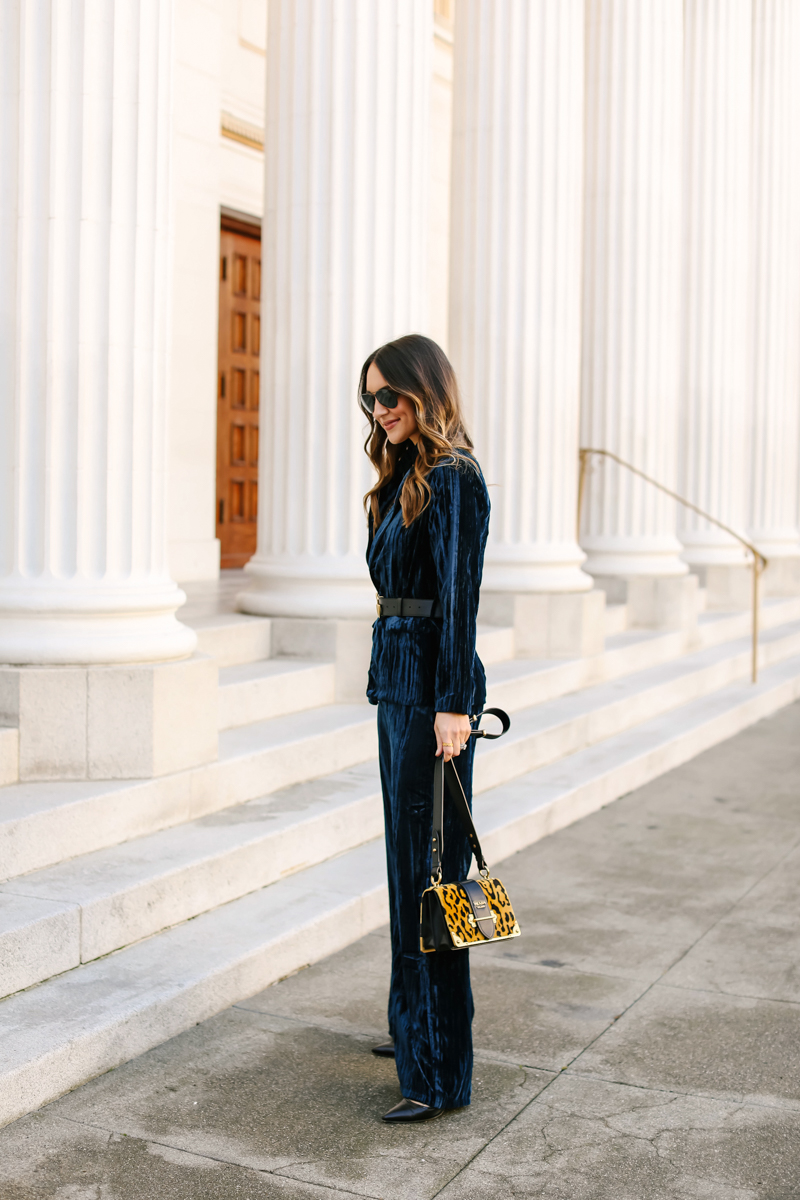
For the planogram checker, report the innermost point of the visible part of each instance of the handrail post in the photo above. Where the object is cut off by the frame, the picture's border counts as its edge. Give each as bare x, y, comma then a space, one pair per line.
759, 561
584, 463
755, 619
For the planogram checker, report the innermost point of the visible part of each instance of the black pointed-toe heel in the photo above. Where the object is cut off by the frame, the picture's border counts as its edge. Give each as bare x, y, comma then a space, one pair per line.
412, 1110
384, 1051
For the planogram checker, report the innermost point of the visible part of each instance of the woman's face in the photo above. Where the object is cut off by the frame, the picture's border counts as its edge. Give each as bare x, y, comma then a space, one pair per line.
400, 423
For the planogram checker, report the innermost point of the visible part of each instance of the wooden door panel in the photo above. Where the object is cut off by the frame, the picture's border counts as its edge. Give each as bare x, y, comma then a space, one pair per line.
238, 396
238, 387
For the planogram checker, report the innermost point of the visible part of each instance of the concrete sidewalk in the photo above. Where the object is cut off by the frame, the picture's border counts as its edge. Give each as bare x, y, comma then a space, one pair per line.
642, 1038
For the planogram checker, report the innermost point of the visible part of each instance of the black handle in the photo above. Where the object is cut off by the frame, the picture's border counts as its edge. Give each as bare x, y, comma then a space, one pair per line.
503, 717
446, 772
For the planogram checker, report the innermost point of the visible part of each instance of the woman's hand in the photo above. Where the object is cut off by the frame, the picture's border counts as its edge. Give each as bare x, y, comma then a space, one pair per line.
452, 732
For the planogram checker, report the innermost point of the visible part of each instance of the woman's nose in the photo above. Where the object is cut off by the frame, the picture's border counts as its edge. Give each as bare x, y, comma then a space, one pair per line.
380, 410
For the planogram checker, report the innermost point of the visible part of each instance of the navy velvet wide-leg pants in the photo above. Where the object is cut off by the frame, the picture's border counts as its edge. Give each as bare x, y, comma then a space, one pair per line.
430, 999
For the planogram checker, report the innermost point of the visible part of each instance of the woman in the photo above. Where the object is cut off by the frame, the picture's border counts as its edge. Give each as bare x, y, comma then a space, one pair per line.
428, 518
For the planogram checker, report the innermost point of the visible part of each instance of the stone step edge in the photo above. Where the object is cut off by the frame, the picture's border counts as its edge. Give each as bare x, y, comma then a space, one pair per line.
718, 627
640, 650
163, 890
235, 638
54, 933
302, 684
42, 1078
132, 809
616, 715
226, 966
738, 706
493, 772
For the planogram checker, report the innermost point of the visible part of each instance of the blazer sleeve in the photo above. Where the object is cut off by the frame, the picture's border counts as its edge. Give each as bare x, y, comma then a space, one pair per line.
459, 514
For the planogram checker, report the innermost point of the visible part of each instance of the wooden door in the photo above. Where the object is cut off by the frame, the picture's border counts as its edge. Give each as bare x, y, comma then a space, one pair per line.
237, 396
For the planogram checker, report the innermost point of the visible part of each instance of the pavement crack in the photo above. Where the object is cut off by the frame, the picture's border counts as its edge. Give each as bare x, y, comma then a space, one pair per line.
331, 1187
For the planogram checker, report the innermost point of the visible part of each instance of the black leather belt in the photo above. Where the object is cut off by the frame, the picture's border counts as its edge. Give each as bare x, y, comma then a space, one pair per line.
402, 607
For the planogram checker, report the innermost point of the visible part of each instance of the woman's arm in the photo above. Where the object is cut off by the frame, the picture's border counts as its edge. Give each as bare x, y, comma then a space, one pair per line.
458, 521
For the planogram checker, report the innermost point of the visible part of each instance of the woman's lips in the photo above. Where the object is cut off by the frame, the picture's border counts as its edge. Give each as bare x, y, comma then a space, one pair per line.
390, 424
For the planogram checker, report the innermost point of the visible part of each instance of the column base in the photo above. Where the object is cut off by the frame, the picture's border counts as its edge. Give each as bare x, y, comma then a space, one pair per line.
132, 721
550, 567
782, 576
655, 601
346, 643
727, 587
324, 587
549, 624
54, 625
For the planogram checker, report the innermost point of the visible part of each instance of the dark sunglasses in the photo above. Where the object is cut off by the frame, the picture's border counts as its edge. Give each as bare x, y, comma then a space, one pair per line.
384, 395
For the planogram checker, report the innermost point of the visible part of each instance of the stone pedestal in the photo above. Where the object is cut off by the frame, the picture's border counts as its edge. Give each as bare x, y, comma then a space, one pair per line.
344, 270
782, 576
631, 283
348, 643
133, 721
655, 601
727, 587
515, 309
84, 262
549, 624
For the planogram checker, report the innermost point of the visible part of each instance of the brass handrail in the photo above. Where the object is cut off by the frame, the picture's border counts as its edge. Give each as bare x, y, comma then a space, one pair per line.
759, 561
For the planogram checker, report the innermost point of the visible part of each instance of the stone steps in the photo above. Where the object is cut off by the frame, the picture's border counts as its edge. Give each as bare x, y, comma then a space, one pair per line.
85, 1021
234, 638
566, 724
131, 891
231, 637
81, 1023
42, 824
715, 627
272, 687
259, 689
518, 813
514, 684
122, 894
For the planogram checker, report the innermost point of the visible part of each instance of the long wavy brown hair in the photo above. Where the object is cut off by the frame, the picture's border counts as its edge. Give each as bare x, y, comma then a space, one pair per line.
417, 368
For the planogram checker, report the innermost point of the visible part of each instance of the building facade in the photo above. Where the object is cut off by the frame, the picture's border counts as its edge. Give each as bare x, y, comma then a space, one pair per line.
214, 209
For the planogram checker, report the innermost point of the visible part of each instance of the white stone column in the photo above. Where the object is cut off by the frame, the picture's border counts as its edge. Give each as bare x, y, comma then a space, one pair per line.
632, 264
775, 280
84, 257
515, 305
344, 270
714, 427
515, 278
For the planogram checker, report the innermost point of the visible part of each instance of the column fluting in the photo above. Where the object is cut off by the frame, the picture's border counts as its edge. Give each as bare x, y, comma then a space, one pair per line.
515, 277
714, 450
344, 270
631, 289
84, 143
775, 278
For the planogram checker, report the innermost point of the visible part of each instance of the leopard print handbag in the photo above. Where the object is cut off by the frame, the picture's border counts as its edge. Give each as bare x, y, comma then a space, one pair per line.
475, 912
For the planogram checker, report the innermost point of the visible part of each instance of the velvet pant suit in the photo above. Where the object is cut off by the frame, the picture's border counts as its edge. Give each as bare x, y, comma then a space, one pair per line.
421, 666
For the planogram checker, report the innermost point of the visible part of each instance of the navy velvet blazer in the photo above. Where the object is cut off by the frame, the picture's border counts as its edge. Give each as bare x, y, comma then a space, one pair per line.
422, 660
